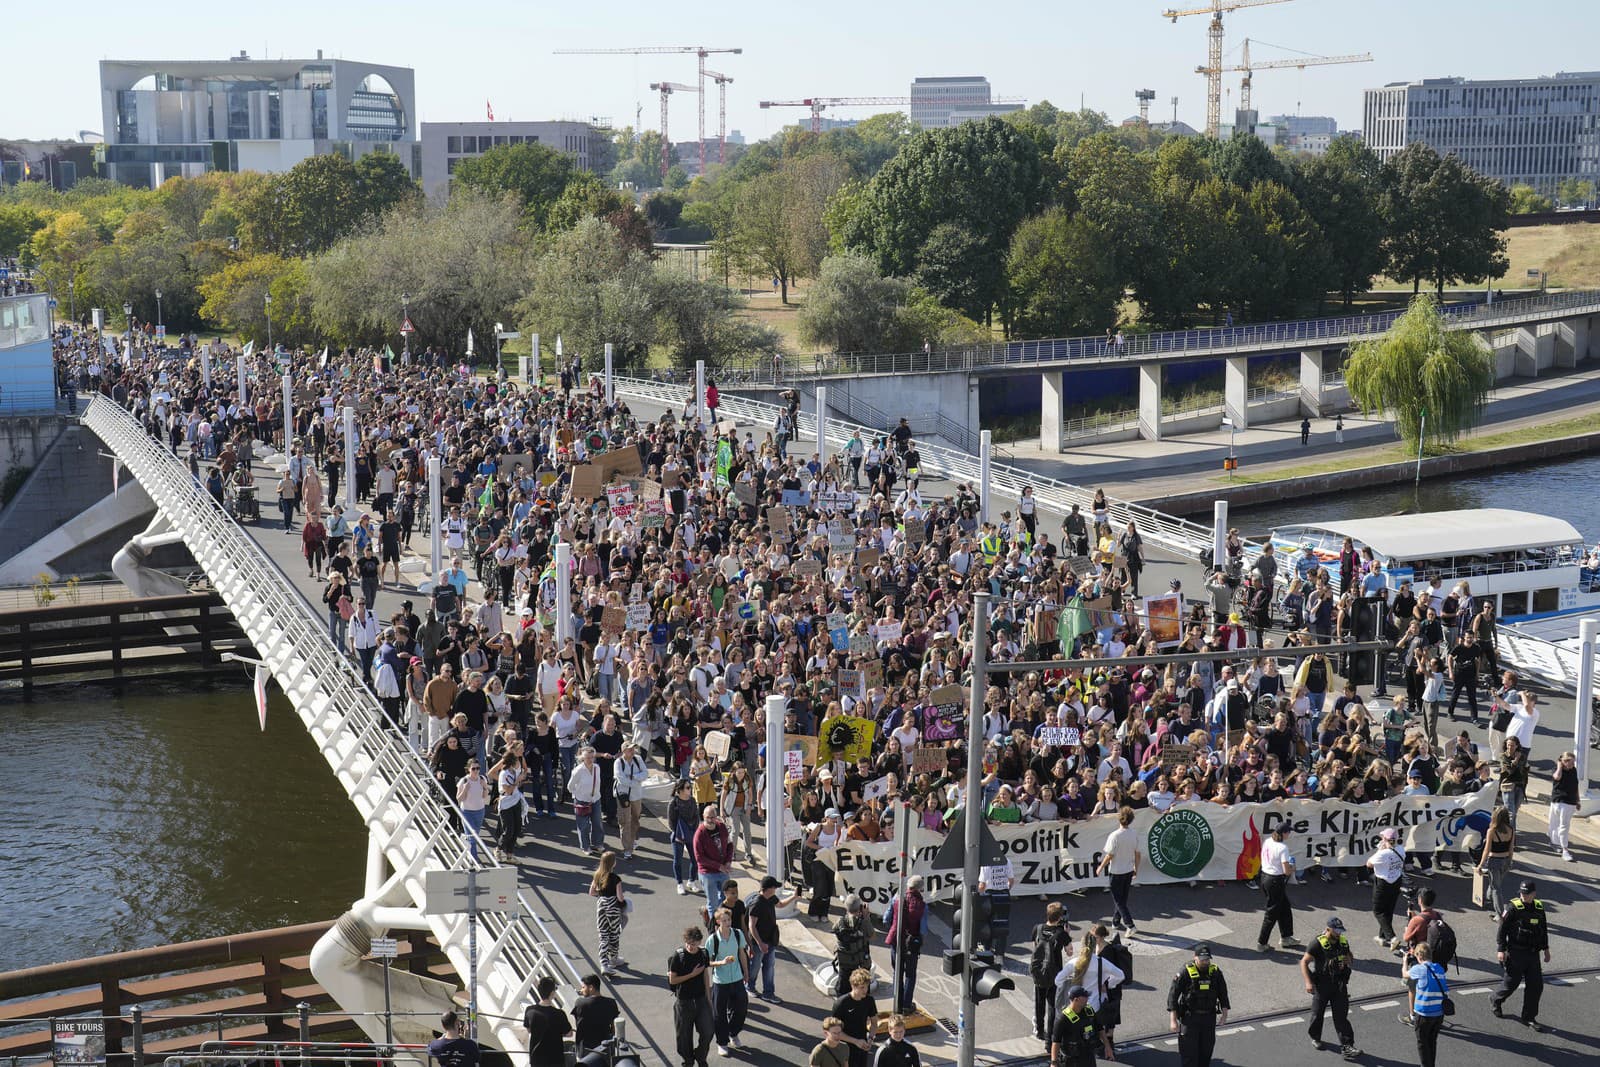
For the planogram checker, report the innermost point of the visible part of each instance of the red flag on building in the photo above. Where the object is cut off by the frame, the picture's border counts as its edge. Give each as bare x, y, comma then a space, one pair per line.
490, 107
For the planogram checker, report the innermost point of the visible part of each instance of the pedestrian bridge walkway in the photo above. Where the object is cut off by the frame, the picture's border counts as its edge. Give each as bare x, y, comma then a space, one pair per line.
407, 814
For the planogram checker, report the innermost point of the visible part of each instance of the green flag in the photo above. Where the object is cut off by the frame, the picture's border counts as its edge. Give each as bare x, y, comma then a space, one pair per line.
1074, 623
724, 463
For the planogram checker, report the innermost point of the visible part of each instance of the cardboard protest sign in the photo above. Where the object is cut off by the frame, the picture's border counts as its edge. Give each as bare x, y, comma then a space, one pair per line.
717, 744
1174, 755
889, 630
878, 787
547, 477
845, 737
745, 493
861, 645
841, 536
638, 617
726, 427
1165, 615
1079, 565
868, 557
793, 764
778, 519
624, 462
916, 531
945, 716
586, 481
613, 620
929, 760
849, 679
808, 567
652, 514
1066, 736
509, 464
872, 673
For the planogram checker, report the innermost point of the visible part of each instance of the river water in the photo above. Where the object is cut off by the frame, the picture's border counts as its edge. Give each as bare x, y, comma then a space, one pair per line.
1564, 489
166, 815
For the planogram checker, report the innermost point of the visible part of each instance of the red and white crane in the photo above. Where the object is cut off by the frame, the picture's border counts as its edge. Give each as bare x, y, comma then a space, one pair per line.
818, 104
666, 89
723, 81
700, 51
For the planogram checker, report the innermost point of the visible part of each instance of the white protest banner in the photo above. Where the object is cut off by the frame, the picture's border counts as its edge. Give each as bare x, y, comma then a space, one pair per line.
652, 514
1187, 842
639, 617
717, 744
888, 630
619, 498
878, 787
1059, 735
794, 763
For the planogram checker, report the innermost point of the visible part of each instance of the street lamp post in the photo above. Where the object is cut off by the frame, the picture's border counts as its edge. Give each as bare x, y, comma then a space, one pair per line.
266, 300
127, 316
405, 319
72, 298
158, 311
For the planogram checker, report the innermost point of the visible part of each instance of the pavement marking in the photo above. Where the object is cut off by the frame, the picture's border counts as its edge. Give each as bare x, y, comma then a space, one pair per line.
1170, 1042
1582, 890
1470, 992
1284, 1022
1236, 1030
1180, 940
1381, 1004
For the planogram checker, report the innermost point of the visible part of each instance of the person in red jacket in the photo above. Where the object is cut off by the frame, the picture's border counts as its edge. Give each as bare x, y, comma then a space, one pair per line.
713, 398
713, 853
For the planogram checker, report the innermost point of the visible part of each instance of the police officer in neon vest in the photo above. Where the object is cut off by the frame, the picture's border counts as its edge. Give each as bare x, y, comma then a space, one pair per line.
1523, 936
1197, 1001
1325, 967
1077, 1034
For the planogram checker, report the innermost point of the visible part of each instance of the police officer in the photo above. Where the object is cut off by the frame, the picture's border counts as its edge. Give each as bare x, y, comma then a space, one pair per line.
1197, 1000
1325, 967
1077, 1033
1523, 935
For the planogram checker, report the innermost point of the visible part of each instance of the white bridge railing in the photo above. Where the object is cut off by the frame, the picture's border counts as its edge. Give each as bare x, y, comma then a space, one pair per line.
403, 806
1547, 662
1188, 539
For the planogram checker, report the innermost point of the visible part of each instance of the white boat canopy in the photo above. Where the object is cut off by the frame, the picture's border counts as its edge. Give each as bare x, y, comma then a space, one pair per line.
1443, 534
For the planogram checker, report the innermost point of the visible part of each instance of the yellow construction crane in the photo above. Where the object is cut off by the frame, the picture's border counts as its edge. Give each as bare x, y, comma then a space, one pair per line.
1213, 68
1298, 63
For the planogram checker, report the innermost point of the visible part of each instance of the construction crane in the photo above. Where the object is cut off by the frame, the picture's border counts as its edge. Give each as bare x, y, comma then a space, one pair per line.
1213, 68
1307, 60
666, 89
1144, 96
723, 81
818, 104
700, 51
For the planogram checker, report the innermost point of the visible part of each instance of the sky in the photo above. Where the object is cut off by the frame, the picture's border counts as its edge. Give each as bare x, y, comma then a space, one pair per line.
500, 52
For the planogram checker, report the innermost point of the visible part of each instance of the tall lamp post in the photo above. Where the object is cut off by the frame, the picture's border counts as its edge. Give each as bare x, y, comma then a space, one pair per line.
158, 311
127, 316
72, 298
266, 302
405, 319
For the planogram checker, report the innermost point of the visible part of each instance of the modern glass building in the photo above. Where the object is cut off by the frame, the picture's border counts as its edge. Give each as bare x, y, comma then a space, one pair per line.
1533, 131
186, 117
940, 102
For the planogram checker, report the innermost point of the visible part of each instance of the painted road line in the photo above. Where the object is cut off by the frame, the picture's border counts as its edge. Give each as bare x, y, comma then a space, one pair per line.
1170, 1042
1380, 1005
1236, 1030
1469, 992
1284, 1022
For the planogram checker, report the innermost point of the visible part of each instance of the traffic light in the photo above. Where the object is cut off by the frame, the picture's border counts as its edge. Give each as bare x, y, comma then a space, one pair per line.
988, 980
982, 930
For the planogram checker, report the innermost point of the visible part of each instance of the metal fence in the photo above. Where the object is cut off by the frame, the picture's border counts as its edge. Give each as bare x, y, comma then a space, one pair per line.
385, 778
1271, 336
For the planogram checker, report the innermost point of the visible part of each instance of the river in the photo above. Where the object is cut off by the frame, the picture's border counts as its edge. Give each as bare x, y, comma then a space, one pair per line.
1564, 489
162, 816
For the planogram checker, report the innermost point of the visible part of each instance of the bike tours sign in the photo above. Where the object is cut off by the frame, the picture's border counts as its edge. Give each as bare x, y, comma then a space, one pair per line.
1187, 842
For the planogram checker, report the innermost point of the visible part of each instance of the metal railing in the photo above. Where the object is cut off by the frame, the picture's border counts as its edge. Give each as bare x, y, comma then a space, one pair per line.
384, 777
1186, 538
1266, 394
1270, 336
1105, 422
15, 402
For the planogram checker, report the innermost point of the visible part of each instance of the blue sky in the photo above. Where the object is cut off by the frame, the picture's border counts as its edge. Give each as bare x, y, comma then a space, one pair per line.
499, 51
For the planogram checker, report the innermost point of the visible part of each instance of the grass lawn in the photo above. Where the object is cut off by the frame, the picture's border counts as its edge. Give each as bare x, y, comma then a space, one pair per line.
1549, 431
1569, 255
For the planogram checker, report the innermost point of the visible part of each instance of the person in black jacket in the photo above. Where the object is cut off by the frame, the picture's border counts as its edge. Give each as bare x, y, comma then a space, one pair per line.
1523, 935
1051, 939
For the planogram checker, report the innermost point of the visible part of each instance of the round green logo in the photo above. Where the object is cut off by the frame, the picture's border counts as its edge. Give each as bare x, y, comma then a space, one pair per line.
1181, 843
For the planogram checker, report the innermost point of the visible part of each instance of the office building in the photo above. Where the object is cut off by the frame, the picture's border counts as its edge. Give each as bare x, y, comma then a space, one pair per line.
940, 102
445, 144
165, 118
1296, 126
1533, 131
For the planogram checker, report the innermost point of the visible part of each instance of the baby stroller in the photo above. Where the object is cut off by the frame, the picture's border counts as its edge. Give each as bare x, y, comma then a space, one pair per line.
241, 502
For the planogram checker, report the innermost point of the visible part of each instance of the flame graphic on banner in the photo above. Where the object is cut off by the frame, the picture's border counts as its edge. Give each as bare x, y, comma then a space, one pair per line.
1249, 864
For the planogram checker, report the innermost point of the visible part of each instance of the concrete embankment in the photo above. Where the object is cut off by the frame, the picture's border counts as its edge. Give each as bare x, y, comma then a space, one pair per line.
1244, 495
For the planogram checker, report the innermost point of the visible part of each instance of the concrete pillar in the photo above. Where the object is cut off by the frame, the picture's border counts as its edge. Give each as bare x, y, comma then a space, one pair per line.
563, 593
205, 365
1052, 411
1150, 379
238, 366
700, 392
537, 374
1311, 382
1534, 351
985, 443
611, 389
822, 425
974, 394
1219, 534
777, 865
1572, 342
350, 512
435, 520
1593, 348
1236, 390
288, 413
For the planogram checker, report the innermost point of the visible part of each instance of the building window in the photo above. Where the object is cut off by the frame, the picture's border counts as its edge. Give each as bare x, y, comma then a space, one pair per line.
453, 145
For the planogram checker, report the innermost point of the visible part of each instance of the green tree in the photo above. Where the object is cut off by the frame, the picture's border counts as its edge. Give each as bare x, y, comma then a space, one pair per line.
1575, 192
62, 246
1283, 268
1445, 222
695, 321
1340, 190
586, 196
1063, 277
1526, 200
954, 268
1244, 159
984, 176
592, 287
778, 219
235, 299
853, 308
535, 174
1419, 366
383, 183
18, 224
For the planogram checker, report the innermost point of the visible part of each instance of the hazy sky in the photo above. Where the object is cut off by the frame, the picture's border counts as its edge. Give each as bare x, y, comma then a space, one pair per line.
499, 51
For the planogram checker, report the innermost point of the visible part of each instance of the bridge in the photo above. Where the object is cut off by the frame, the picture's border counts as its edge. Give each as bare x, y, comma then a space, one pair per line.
407, 814
1529, 334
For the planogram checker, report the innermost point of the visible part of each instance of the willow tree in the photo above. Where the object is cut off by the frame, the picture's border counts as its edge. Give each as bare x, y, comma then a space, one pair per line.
1433, 380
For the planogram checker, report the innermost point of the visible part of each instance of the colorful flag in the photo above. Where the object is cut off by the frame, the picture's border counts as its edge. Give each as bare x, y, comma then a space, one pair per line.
469, 334
490, 107
261, 695
1074, 623
724, 463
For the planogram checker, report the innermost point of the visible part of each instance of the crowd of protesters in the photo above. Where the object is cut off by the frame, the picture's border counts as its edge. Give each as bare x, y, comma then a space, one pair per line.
737, 597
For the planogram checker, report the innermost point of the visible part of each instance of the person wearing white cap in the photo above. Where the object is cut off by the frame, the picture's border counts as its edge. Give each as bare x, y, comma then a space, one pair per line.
1388, 865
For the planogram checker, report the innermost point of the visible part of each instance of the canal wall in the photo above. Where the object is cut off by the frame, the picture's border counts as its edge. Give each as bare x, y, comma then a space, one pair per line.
1378, 475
